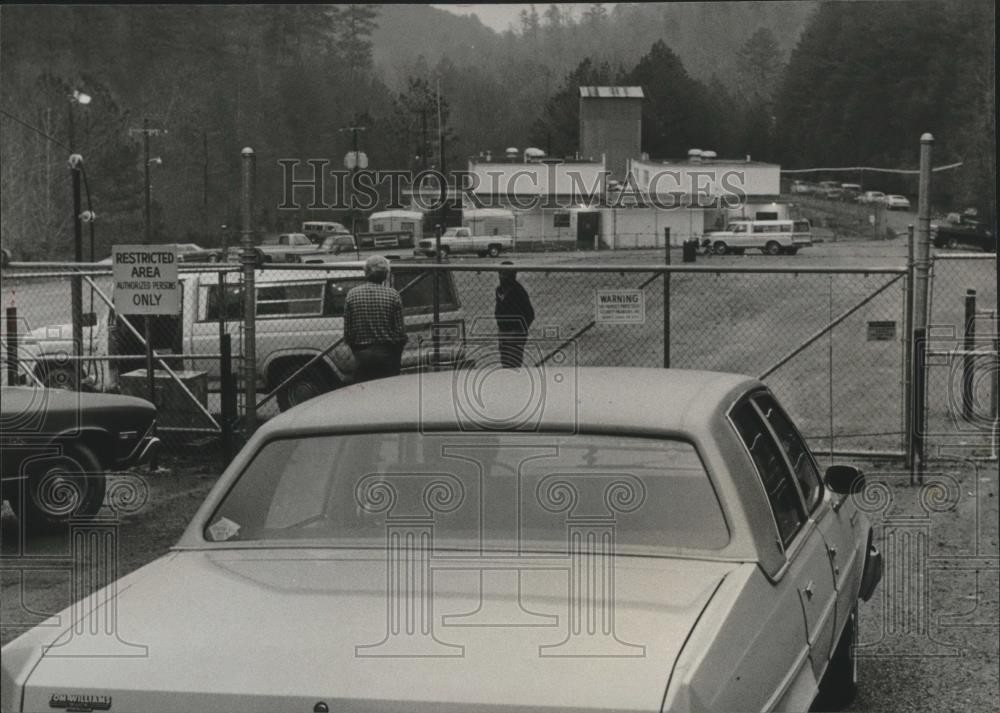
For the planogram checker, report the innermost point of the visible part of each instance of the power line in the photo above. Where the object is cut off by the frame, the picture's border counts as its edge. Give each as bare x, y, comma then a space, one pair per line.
38, 131
871, 168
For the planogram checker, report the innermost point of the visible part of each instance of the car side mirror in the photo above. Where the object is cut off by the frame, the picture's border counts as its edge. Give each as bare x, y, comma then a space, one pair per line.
89, 319
844, 479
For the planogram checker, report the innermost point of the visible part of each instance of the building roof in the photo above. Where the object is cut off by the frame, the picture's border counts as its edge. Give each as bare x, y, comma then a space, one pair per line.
722, 162
612, 92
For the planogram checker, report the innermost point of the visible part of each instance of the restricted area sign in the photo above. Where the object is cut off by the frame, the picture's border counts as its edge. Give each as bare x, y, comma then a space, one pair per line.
620, 307
145, 279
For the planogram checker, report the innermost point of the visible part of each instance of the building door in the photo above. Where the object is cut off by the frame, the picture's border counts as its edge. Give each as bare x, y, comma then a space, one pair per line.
588, 225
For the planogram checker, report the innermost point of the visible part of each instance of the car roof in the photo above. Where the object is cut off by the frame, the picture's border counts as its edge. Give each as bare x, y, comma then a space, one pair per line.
566, 398
340, 268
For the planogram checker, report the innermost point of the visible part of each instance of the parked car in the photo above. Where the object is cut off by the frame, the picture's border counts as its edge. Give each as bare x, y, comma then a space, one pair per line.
407, 545
963, 230
830, 190
897, 202
298, 315
461, 240
801, 187
191, 252
286, 247
773, 237
850, 191
56, 446
330, 246
870, 197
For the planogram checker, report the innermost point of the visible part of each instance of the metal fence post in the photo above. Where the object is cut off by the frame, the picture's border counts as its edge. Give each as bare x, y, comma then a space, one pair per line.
228, 396
908, 351
248, 259
666, 299
919, 397
11, 346
435, 328
968, 360
922, 262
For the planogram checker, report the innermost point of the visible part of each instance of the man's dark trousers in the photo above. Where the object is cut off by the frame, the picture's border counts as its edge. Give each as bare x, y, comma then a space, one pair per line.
377, 361
511, 346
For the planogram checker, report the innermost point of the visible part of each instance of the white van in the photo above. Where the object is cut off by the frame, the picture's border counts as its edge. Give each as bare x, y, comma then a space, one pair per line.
299, 314
316, 230
772, 237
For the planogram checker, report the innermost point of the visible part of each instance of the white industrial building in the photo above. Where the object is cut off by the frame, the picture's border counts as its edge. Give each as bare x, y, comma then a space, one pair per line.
558, 204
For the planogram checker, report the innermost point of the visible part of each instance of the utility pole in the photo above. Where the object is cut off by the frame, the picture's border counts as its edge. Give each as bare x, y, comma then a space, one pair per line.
145, 150
204, 197
76, 283
147, 239
423, 135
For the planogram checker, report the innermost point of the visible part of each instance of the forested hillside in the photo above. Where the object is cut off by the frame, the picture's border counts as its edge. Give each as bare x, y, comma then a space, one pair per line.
803, 83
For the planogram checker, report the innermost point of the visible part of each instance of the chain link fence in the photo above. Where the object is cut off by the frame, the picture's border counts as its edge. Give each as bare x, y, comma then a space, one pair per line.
846, 219
829, 342
962, 367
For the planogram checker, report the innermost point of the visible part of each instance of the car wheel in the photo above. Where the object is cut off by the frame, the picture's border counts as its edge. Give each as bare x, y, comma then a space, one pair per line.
721, 248
494, 251
953, 243
445, 250
840, 682
772, 248
309, 384
58, 488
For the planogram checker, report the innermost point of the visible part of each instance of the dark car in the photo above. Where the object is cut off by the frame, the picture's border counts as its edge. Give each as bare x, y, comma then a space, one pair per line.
56, 446
964, 231
190, 252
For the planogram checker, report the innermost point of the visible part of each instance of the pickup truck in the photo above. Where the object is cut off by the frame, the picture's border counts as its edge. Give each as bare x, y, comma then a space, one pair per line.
461, 240
965, 230
287, 247
298, 315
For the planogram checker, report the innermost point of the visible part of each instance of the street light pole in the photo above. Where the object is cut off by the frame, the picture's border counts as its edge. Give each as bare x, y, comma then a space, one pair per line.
145, 163
354, 169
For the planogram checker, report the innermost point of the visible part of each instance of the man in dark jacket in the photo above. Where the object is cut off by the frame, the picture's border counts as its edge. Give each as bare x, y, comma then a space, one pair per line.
514, 314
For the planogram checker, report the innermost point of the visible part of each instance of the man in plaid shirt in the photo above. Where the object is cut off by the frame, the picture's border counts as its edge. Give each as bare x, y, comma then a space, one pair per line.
373, 324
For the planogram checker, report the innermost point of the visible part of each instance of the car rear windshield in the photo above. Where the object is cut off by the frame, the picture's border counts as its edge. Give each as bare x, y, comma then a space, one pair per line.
506, 491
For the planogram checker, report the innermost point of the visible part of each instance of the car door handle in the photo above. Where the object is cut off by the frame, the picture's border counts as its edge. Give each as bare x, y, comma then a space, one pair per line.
808, 591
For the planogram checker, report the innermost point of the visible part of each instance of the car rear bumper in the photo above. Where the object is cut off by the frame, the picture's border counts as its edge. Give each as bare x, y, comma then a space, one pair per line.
872, 573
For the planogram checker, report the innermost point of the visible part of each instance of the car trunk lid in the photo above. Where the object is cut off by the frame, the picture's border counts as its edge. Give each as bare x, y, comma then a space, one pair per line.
285, 629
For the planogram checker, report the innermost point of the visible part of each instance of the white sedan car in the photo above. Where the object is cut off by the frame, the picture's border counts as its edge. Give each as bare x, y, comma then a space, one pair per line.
552, 539
897, 202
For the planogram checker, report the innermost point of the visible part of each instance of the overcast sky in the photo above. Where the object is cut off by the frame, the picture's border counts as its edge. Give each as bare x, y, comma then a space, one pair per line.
500, 16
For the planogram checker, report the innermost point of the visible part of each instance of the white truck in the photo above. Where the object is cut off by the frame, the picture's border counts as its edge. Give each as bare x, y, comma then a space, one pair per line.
457, 241
773, 237
298, 315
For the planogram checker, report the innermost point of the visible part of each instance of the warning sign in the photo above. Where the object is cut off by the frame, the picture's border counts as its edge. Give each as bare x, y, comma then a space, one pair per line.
884, 331
145, 279
621, 307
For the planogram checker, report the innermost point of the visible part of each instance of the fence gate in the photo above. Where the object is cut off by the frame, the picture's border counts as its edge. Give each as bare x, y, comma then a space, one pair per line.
961, 357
